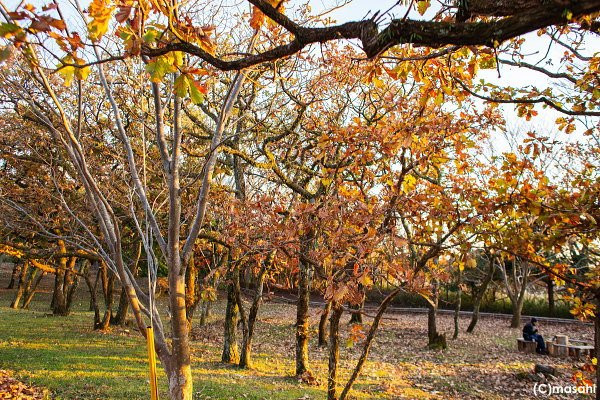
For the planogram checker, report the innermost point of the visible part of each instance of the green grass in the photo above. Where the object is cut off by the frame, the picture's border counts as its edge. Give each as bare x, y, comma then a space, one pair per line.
65, 356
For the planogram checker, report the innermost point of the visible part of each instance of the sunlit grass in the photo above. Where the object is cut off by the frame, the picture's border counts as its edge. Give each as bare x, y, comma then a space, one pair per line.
66, 356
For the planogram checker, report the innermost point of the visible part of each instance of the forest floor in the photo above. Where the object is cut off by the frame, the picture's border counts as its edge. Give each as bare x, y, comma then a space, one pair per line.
64, 355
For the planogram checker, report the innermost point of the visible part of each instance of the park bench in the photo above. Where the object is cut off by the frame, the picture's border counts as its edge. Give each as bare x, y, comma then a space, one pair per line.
577, 351
562, 346
526, 346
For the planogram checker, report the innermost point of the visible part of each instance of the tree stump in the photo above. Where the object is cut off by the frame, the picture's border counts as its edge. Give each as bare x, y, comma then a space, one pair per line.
526, 346
438, 342
561, 346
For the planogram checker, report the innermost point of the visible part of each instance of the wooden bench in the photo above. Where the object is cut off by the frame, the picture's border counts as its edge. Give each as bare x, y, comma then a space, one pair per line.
579, 351
526, 346
558, 350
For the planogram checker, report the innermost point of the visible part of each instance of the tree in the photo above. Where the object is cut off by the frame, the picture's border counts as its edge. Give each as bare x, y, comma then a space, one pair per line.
183, 57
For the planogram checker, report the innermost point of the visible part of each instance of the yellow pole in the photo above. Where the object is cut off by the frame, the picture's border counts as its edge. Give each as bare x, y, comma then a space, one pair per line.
152, 362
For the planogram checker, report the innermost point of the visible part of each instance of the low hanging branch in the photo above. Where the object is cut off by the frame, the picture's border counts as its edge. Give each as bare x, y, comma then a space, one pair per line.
520, 18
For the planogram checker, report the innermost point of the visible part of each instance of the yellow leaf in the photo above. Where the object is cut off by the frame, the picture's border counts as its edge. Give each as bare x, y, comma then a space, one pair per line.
100, 12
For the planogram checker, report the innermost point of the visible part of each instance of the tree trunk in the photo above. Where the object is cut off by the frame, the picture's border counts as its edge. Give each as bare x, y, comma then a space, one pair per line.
230, 348
121, 317
180, 374
59, 303
20, 285
432, 315
517, 308
13, 276
458, 304
93, 288
323, 325
302, 319
368, 342
334, 351
597, 346
30, 291
93, 298
436, 340
245, 356
72, 281
431, 322
478, 298
474, 317
191, 289
205, 311
107, 281
180, 381
123, 308
551, 301
356, 313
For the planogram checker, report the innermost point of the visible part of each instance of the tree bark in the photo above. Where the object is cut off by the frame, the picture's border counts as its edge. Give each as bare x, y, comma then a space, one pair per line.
180, 374
334, 351
121, 317
323, 325
230, 347
94, 287
245, 356
302, 318
597, 345
30, 291
435, 339
93, 297
432, 307
191, 289
72, 281
551, 301
13, 276
517, 308
458, 304
478, 298
59, 302
356, 316
107, 281
205, 312
20, 285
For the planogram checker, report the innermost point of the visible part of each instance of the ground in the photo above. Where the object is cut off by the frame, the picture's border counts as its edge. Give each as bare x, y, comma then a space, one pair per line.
65, 356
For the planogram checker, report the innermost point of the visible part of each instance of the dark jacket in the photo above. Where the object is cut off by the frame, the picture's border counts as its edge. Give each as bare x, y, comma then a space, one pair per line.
528, 331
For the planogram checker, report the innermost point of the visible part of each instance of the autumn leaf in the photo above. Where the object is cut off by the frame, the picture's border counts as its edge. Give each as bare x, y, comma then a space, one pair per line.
5, 53
258, 17
162, 65
422, 6
8, 29
100, 12
69, 72
197, 92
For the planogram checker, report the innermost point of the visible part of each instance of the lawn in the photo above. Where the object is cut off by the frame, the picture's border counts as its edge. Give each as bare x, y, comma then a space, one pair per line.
66, 356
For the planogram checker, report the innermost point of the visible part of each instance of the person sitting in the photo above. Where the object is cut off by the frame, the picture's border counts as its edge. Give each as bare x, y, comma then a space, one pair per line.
530, 333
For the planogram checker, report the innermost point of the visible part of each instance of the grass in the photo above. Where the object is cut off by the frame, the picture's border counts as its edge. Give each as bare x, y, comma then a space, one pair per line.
63, 355
66, 356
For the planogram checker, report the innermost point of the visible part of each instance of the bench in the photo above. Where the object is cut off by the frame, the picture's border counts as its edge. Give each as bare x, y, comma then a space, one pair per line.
526, 346
558, 350
578, 351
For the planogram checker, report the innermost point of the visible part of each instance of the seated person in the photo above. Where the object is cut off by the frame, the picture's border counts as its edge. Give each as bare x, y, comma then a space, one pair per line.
530, 333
